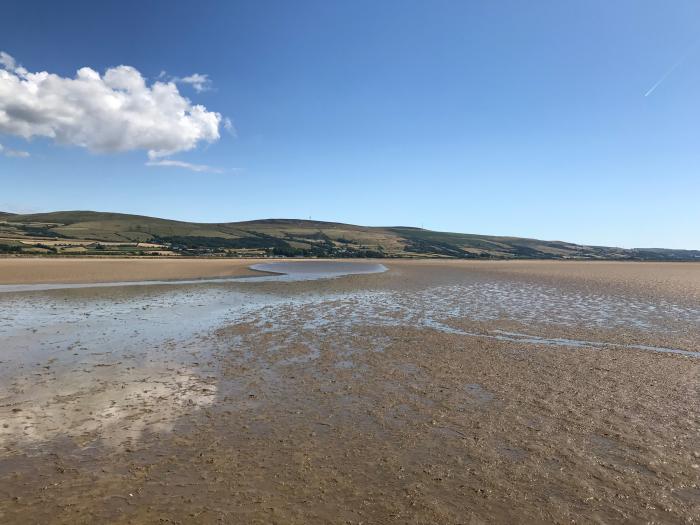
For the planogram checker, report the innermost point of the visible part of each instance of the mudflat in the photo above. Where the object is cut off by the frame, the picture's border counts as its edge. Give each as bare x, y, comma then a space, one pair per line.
436, 392
682, 278
26, 270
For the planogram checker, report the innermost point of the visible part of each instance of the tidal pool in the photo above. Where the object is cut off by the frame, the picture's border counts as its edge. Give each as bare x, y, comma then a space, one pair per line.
319, 269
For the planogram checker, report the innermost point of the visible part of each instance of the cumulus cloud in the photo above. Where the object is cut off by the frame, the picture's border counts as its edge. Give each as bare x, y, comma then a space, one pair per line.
7, 152
170, 163
113, 112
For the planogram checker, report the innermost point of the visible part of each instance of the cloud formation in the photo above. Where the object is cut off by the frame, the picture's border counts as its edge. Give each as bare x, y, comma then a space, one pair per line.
7, 61
114, 112
170, 163
7, 152
198, 82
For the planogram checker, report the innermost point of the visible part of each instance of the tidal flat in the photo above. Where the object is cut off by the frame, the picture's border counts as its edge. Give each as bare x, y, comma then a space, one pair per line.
432, 392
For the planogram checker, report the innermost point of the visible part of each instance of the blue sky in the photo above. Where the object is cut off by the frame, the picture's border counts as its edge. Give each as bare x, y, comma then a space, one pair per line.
493, 117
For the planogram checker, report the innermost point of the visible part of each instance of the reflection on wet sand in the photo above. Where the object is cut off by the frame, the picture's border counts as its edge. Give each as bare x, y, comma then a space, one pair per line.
427, 393
280, 271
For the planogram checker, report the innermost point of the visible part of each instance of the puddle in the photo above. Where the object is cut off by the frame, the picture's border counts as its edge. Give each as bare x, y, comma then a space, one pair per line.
319, 269
436, 308
561, 341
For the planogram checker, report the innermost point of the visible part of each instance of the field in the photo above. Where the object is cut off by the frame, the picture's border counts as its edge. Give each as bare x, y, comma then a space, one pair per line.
112, 234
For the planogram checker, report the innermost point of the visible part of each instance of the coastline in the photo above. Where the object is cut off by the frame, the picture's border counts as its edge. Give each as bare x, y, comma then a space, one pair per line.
677, 276
434, 391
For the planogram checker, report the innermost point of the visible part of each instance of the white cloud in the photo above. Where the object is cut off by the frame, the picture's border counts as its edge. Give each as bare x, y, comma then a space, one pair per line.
198, 82
228, 126
7, 152
7, 61
114, 112
169, 163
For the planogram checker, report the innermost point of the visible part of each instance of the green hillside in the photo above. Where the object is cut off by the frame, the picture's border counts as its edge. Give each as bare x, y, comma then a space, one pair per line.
98, 233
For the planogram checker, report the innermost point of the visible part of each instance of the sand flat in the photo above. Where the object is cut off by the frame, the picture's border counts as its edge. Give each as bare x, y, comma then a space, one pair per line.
436, 392
38, 270
664, 277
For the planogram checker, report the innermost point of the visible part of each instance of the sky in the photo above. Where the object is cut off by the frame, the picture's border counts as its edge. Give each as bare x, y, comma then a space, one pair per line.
559, 120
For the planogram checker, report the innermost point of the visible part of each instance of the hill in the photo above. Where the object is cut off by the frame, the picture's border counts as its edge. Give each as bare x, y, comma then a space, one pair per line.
98, 233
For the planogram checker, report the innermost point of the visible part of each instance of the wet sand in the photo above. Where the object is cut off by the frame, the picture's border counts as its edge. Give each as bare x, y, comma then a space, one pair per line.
673, 278
26, 270
437, 392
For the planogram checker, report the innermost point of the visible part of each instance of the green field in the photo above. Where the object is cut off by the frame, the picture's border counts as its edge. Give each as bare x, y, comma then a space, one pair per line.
103, 234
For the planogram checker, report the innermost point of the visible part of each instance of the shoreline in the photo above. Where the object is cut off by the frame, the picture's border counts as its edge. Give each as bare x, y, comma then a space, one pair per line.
39, 270
448, 381
90, 270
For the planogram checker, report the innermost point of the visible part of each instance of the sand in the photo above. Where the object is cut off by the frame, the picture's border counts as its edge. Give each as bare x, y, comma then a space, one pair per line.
438, 392
678, 279
25, 270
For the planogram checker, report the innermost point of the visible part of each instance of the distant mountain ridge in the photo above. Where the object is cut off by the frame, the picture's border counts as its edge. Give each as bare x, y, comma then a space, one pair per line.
103, 233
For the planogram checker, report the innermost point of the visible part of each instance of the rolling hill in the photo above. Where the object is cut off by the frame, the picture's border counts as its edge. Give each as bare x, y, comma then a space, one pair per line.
99, 233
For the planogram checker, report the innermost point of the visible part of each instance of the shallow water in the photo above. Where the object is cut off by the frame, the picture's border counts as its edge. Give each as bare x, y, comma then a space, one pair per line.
286, 272
423, 361
117, 319
320, 269
88, 341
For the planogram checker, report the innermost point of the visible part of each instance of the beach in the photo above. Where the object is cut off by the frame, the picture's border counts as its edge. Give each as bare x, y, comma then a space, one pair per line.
434, 392
38, 270
674, 278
